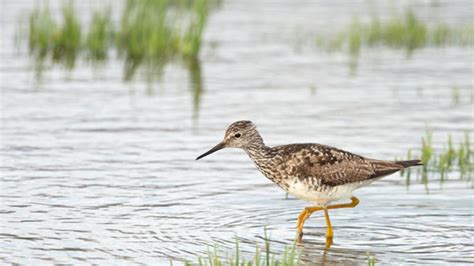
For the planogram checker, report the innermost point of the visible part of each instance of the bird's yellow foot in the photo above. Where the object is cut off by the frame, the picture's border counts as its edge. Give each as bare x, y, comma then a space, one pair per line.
328, 242
299, 238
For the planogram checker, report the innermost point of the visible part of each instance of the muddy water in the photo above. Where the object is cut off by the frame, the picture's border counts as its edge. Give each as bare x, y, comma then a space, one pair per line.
95, 170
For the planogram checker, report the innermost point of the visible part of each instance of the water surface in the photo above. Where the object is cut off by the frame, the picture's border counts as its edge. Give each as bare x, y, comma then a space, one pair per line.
100, 171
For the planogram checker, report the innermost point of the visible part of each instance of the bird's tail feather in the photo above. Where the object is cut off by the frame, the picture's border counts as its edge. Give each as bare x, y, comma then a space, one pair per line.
409, 163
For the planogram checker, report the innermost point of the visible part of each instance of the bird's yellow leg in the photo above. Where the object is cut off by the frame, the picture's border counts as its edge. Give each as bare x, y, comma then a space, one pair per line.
354, 202
329, 233
303, 216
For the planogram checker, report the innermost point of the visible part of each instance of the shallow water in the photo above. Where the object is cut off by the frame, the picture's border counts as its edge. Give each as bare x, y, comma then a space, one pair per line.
95, 170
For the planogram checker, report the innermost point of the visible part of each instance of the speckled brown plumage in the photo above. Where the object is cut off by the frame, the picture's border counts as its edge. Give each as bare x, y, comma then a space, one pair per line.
328, 165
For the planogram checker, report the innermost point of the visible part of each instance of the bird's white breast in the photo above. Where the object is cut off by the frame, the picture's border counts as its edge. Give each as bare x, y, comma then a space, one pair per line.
321, 197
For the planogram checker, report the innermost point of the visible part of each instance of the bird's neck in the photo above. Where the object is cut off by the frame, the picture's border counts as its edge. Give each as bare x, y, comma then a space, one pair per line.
257, 150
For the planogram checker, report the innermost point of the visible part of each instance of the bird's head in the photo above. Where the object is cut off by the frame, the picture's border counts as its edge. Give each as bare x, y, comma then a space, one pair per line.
240, 134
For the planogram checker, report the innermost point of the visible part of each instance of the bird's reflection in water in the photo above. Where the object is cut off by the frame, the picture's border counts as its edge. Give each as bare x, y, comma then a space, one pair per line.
317, 251
328, 243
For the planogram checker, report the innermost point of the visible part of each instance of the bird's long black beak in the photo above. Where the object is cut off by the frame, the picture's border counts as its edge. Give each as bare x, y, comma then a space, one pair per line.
216, 148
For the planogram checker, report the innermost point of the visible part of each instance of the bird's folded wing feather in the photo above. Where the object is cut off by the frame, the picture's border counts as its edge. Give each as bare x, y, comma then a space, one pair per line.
332, 167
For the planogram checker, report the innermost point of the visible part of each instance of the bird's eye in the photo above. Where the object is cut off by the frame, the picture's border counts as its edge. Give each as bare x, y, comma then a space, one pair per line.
237, 135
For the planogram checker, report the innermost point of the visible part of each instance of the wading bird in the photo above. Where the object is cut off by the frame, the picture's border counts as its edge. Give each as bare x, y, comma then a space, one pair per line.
313, 172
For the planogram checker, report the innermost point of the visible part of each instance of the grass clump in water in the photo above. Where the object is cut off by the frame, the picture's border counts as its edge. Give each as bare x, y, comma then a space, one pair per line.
46, 36
41, 30
67, 39
444, 162
99, 34
150, 30
370, 259
290, 257
408, 32
144, 33
153, 32
405, 31
191, 41
61, 41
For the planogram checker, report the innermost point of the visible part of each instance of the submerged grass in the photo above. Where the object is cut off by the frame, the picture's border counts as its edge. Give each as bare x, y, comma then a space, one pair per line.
444, 162
290, 257
150, 32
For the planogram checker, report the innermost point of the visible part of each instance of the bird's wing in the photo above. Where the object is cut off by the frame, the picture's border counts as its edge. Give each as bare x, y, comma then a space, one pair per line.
331, 166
